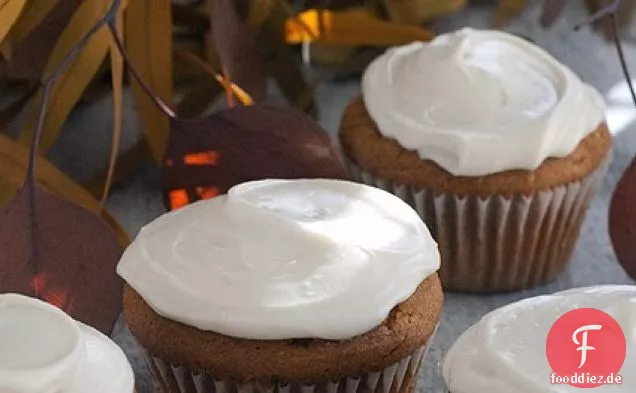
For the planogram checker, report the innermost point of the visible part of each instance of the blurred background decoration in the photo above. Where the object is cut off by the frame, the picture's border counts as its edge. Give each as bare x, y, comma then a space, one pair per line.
176, 47
194, 59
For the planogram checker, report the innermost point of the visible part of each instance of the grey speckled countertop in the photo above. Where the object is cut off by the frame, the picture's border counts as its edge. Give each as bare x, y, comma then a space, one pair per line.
138, 200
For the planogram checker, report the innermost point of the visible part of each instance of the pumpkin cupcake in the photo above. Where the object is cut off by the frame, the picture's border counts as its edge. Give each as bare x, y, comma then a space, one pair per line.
515, 349
285, 285
44, 350
498, 146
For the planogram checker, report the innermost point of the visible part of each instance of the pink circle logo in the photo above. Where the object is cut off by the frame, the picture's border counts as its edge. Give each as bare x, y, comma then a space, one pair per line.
586, 348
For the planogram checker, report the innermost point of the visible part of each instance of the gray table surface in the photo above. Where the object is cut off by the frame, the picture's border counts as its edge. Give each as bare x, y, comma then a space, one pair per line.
138, 200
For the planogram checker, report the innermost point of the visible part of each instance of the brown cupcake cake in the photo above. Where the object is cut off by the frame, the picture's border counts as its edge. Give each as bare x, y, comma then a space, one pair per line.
312, 285
497, 146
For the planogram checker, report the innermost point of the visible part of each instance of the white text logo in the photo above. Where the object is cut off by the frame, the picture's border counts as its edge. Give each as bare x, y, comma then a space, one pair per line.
583, 343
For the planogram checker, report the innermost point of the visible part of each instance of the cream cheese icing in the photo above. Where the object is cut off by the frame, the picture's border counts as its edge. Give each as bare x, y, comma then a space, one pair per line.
281, 259
480, 102
43, 350
505, 351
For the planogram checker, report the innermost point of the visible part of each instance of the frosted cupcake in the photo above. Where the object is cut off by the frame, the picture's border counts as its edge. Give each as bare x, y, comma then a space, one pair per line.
285, 285
506, 351
498, 146
44, 350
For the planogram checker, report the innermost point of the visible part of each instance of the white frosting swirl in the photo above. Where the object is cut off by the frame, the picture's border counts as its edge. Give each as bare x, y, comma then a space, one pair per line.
43, 350
282, 259
480, 102
505, 351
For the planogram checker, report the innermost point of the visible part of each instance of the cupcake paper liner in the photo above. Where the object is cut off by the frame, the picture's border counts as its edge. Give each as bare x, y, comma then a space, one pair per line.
496, 243
400, 377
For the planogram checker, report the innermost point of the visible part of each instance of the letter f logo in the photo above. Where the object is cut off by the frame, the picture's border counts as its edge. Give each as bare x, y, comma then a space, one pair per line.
583, 343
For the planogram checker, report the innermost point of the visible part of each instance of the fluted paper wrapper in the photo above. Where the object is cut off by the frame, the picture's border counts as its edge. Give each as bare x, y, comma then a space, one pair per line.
496, 243
400, 377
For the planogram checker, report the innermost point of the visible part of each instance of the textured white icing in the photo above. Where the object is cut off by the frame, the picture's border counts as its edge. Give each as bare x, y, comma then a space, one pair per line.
279, 259
42, 350
505, 351
480, 102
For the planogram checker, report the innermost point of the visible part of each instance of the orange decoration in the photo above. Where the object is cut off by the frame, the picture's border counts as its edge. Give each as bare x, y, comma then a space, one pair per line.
208, 192
241, 95
210, 155
178, 199
61, 301
205, 158
233, 90
307, 26
229, 97
350, 27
